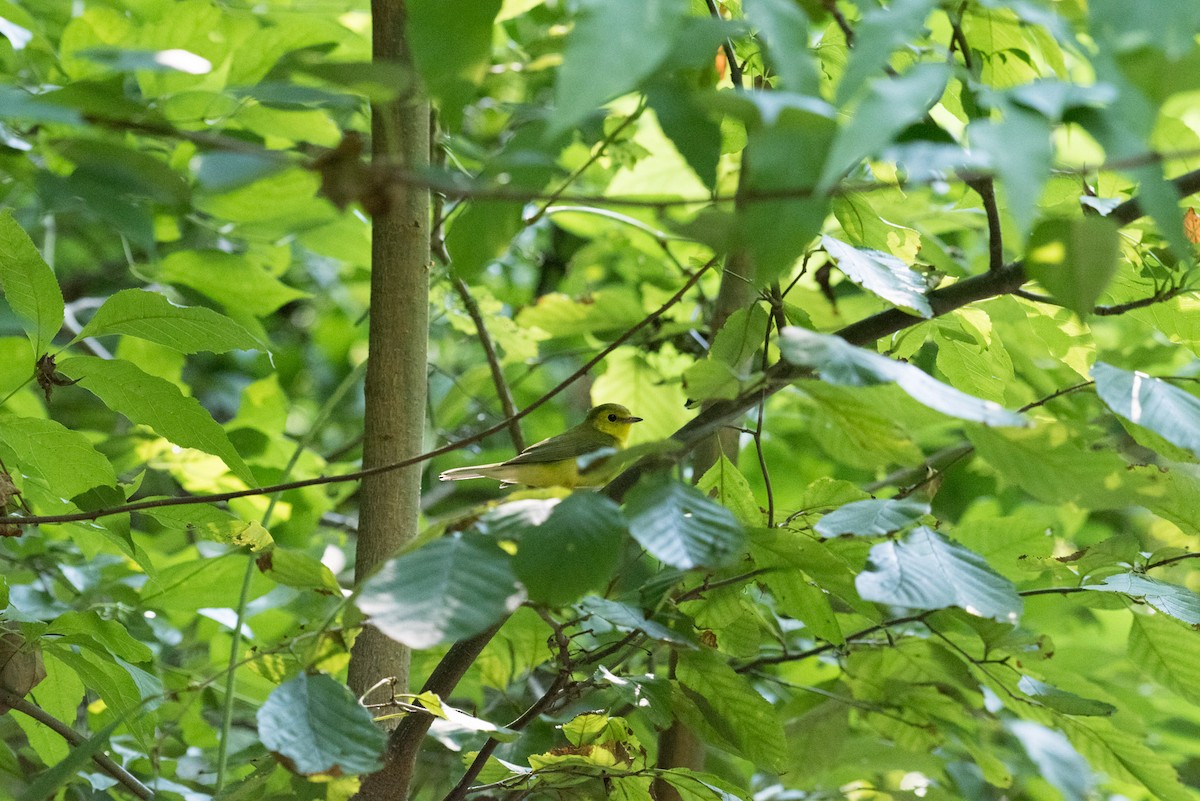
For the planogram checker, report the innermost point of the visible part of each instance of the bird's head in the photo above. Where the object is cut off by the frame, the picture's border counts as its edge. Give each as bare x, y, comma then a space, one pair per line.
612, 419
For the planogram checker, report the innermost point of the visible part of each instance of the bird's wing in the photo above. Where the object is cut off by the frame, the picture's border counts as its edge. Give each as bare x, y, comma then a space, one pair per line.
569, 445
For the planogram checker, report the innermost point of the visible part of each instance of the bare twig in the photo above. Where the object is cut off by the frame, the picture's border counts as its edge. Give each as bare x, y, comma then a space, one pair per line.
489, 351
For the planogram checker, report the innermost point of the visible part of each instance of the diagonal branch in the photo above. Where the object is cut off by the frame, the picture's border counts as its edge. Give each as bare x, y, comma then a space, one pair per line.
106, 763
489, 351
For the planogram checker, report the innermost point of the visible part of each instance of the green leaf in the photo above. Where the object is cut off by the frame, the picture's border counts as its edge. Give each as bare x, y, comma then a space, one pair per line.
889, 107
624, 617
881, 273
29, 285
451, 73
689, 126
1121, 754
1056, 759
876, 36
924, 570
450, 589
1074, 259
1170, 599
124, 60
838, 362
784, 209
158, 404
123, 170
45, 785
317, 725
109, 634
731, 709
231, 279
62, 460
679, 526
293, 568
695, 786
1167, 652
784, 27
728, 485
613, 46
1159, 406
1061, 700
573, 552
872, 518
150, 316
1021, 152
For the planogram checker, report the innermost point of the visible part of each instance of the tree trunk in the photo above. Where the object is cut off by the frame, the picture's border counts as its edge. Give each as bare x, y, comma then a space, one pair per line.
396, 369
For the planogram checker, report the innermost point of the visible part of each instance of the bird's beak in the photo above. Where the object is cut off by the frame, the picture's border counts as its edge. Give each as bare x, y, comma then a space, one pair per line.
632, 420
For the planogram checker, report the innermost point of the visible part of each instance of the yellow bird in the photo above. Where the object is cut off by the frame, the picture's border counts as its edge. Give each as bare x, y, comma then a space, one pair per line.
574, 458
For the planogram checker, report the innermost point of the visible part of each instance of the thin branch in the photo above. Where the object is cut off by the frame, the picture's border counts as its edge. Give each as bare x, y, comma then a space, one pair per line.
1115, 309
597, 152
735, 69
489, 351
840, 19
358, 474
986, 189
73, 737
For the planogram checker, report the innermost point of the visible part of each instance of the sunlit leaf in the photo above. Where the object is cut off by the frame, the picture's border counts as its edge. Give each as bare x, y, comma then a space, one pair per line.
158, 404
881, 273
1170, 599
1139, 398
838, 362
150, 316
924, 570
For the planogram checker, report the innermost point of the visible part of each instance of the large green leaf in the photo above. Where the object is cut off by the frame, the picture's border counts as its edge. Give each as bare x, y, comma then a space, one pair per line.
1164, 409
730, 708
1167, 652
876, 36
319, 727
613, 46
150, 316
783, 209
838, 362
573, 552
48, 452
1170, 599
679, 526
1121, 754
872, 518
449, 589
1074, 259
29, 285
231, 279
924, 570
889, 107
881, 273
1056, 759
451, 73
158, 404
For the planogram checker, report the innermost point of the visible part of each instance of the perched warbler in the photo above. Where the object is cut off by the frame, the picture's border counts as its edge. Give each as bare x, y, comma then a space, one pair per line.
574, 458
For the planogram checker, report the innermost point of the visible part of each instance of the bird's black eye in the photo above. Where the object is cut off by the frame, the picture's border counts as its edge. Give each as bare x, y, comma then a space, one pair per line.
612, 418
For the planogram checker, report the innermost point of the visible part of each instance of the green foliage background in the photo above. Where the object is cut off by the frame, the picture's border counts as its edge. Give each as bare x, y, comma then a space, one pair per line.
951, 559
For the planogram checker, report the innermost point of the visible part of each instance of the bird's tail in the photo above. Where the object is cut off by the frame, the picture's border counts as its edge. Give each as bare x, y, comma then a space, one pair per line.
474, 471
